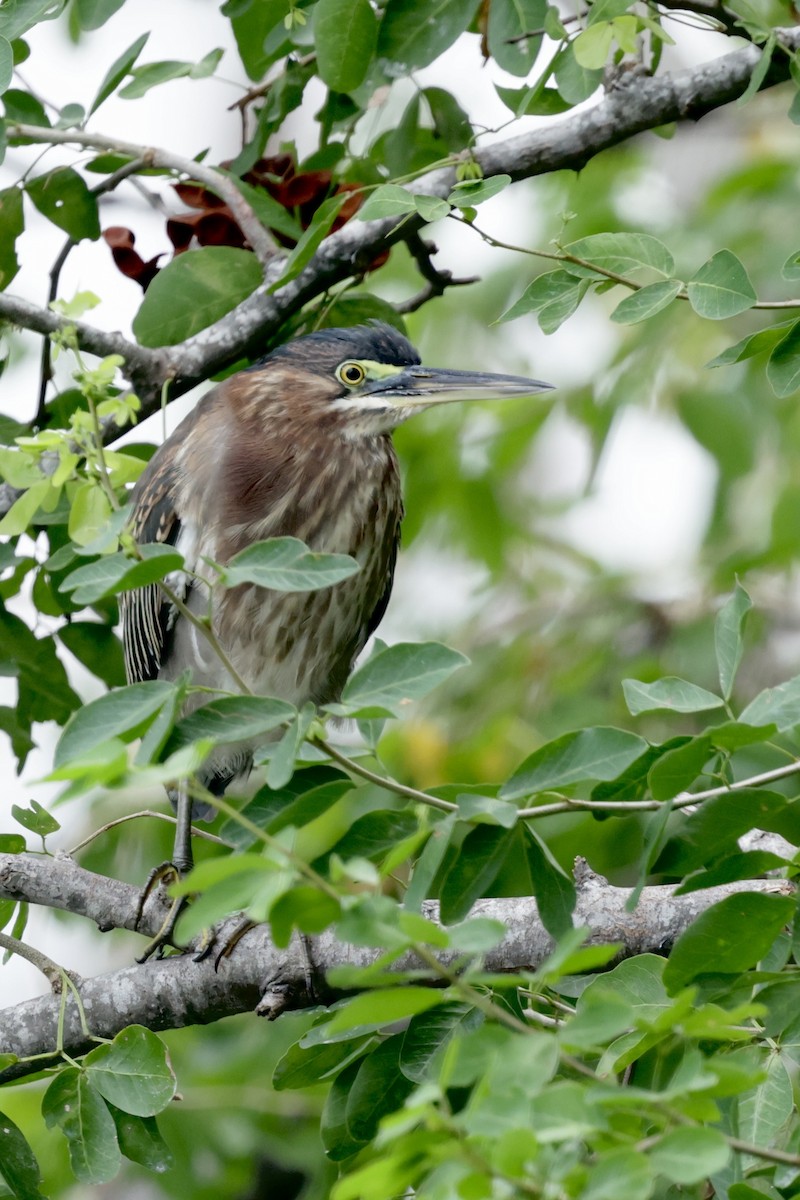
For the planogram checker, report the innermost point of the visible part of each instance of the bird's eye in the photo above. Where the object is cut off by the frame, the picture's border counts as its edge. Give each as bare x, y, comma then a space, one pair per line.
351, 373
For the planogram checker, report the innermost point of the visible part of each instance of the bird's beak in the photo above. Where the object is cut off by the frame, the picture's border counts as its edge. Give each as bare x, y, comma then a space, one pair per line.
420, 387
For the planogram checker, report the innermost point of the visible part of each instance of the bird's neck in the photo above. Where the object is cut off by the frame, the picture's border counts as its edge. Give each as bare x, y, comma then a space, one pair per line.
318, 485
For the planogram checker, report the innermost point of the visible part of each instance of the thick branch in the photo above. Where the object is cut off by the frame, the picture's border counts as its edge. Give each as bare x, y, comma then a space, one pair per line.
176, 992
140, 362
637, 103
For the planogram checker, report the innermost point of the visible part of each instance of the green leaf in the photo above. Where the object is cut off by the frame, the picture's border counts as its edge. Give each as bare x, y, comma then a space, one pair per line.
63, 197
283, 756
133, 1072
450, 122
312, 238
554, 295
336, 1139
117, 71
379, 1088
748, 864
509, 20
486, 810
575, 83
592, 45
115, 573
309, 793
600, 753
92, 14
752, 345
306, 1066
646, 302
622, 253
674, 771
140, 1140
18, 18
88, 514
72, 1104
428, 863
564, 1112
783, 367
389, 200
533, 101
429, 1032
473, 192
397, 674
152, 74
678, 695
97, 647
601, 11
260, 34
481, 855
619, 1174
25, 508
286, 564
36, 819
728, 639
12, 223
373, 834
760, 70
382, 1006
721, 288
553, 888
232, 719
121, 714
415, 32
19, 1169
304, 908
431, 208
6, 64
345, 35
779, 705
728, 938
193, 291
768, 1106
269, 212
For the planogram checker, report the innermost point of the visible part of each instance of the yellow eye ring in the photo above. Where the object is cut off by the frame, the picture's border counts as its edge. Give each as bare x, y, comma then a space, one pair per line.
351, 374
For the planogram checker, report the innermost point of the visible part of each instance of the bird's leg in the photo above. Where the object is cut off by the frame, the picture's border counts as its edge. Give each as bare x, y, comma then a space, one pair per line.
168, 873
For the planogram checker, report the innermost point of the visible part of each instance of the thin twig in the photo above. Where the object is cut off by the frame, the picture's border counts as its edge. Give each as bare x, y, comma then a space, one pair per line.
53, 973
45, 370
683, 800
614, 276
400, 789
257, 235
145, 812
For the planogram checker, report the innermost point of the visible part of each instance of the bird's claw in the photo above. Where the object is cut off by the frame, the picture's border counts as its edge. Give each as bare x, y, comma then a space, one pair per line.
165, 874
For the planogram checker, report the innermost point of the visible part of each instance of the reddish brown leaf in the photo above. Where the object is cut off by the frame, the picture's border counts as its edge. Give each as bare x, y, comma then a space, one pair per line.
121, 243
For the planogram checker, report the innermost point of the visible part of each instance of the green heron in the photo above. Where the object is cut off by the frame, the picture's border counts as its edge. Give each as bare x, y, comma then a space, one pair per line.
297, 445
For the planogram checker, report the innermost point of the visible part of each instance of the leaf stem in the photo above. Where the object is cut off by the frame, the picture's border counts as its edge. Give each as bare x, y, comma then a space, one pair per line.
392, 785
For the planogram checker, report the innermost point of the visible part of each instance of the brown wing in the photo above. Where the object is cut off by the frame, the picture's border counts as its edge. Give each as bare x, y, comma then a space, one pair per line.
376, 615
147, 616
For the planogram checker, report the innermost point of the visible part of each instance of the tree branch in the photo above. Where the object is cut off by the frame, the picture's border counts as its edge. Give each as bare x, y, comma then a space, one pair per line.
637, 103
176, 992
152, 156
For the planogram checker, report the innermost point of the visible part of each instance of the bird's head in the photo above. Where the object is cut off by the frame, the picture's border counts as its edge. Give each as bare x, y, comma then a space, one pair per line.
369, 379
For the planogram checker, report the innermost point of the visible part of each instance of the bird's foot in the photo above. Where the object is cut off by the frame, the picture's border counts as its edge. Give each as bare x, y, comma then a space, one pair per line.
229, 942
165, 874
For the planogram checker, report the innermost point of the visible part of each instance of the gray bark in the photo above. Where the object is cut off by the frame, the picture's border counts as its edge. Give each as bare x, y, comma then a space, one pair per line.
635, 103
179, 991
